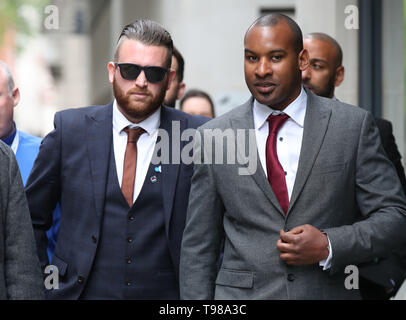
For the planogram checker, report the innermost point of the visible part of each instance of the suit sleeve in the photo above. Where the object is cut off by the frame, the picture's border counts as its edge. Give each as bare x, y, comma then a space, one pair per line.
391, 148
43, 188
203, 234
22, 271
380, 200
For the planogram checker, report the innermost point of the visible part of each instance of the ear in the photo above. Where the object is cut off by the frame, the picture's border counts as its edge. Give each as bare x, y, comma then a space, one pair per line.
303, 59
181, 91
171, 76
111, 69
16, 96
339, 77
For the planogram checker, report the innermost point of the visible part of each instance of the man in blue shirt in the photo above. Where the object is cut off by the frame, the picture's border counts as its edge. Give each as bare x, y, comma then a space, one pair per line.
24, 145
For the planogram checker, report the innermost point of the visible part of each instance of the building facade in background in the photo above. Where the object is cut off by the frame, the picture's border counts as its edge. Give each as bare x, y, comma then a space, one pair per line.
209, 34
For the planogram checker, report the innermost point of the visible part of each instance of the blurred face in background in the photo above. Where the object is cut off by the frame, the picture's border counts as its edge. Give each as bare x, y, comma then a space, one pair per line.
323, 74
197, 106
176, 89
7, 103
138, 99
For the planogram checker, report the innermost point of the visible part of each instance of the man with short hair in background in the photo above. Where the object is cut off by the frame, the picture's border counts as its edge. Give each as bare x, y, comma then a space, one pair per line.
24, 145
21, 278
197, 102
177, 86
382, 277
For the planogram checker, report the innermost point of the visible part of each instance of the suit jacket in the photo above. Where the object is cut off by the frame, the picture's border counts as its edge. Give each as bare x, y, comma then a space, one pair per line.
390, 147
343, 177
27, 151
386, 274
20, 274
72, 168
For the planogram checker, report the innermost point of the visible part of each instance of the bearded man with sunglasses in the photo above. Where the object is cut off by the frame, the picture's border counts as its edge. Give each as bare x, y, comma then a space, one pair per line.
122, 217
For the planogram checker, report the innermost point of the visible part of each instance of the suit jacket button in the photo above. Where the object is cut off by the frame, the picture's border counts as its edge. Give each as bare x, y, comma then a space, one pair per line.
94, 239
81, 279
291, 277
128, 283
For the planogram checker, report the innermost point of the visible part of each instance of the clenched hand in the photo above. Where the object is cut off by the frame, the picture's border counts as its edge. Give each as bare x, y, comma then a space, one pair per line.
303, 245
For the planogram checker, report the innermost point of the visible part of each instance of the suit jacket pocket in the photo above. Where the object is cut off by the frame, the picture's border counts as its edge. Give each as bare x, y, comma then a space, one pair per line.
235, 278
328, 168
60, 264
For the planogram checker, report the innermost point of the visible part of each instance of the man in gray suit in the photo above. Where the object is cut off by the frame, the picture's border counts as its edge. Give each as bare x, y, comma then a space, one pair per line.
20, 274
323, 196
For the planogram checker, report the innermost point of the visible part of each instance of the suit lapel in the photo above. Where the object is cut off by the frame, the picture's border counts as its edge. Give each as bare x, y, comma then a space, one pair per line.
99, 140
315, 126
246, 121
170, 171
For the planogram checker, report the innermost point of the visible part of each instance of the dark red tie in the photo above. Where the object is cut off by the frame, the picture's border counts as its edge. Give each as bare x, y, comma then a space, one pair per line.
276, 174
130, 163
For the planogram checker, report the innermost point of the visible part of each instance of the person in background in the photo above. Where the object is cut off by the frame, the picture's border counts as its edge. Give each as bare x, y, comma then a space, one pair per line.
197, 102
177, 87
381, 277
24, 145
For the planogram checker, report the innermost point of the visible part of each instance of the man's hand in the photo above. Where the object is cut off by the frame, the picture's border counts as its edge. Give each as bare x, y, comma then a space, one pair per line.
303, 245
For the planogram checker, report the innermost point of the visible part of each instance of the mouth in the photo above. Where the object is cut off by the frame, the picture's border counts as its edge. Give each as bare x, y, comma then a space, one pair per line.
138, 95
309, 86
265, 87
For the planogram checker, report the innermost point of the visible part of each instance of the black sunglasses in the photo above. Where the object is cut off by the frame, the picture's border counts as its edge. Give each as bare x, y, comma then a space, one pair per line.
131, 71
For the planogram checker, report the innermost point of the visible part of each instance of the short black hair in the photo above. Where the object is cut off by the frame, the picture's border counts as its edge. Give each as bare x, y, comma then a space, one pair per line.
181, 64
197, 93
275, 18
326, 38
149, 33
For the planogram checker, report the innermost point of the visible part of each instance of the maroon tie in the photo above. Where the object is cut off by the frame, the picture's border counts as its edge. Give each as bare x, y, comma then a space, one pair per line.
130, 163
276, 174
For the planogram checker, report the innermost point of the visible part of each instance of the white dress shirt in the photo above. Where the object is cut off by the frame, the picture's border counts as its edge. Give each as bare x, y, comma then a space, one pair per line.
289, 137
145, 145
289, 142
16, 142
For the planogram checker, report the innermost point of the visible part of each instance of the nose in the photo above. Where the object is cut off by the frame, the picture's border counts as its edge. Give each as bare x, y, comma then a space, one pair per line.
264, 68
306, 74
141, 80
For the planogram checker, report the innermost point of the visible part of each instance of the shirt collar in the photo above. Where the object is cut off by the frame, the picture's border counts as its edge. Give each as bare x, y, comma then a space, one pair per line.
150, 124
296, 110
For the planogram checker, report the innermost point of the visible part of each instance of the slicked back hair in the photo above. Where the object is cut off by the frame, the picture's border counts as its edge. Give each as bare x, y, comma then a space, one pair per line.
326, 38
149, 33
273, 19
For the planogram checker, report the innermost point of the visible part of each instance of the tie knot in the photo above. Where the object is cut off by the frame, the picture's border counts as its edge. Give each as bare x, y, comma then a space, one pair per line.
133, 134
276, 121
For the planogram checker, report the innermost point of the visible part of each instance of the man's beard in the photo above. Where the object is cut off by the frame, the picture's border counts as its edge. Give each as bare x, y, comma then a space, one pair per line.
326, 92
137, 110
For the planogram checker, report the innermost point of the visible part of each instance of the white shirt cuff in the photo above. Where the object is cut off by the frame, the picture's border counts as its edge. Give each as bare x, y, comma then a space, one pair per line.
326, 263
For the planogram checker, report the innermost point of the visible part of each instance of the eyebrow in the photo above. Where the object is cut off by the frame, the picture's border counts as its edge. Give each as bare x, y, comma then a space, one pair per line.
318, 60
270, 52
